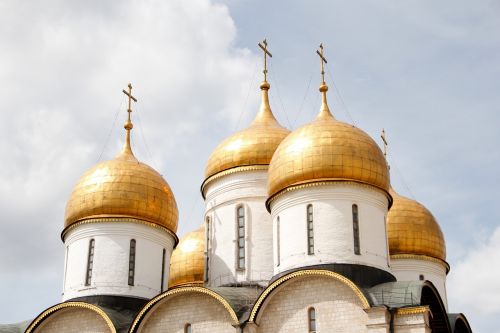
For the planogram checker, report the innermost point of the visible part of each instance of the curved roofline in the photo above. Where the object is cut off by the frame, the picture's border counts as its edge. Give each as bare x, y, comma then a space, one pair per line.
309, 272
118, 218
229, 171
377, 292
322, 182
179, 290
48, 312
430, 285
461, 317
397, 256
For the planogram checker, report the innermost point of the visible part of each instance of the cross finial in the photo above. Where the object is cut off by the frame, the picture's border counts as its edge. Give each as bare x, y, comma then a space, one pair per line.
323, 62
127, 150
128, 124
384, 139
263, 46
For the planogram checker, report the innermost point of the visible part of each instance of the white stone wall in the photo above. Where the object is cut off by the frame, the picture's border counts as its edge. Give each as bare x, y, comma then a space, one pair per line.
111, 259
333, 226
410, 270
74, 320
203, 312
338, 308
223, 196
378, 320
412, 323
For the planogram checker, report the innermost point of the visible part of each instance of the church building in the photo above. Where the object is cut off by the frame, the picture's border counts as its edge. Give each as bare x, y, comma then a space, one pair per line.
302, 233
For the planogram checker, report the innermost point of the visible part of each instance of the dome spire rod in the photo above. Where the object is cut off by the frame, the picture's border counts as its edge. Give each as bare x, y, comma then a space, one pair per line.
128, 124
323, 88
263, 46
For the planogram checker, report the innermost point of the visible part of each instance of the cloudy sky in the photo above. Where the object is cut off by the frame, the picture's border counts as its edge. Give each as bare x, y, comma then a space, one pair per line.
426, 71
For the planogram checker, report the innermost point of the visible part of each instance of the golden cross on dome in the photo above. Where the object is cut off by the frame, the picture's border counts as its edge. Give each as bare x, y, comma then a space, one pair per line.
130, 99
263, 46
323, 61
384, 139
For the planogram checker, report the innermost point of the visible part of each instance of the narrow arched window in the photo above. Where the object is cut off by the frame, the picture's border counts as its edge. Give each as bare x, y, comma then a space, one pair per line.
164, 253
131, 263
207, 248
310, 230
278, 254
355, 228
311, 316
90, 262
66, 264
421, 277
188, 329
240, 217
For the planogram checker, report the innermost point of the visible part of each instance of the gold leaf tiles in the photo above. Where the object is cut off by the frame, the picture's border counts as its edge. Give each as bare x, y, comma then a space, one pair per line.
327, 149
254, 145
123, 187
412, 229
188, 260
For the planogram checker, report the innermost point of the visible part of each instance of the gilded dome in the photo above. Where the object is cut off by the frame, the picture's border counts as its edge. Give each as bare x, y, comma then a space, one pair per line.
327, 150
188, 260
254, 145
413, 230
123, 188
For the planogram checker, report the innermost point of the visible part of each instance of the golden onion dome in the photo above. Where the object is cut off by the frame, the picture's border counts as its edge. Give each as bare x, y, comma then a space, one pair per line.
413, 230
327, 150
253, 146
123, 188
188, 260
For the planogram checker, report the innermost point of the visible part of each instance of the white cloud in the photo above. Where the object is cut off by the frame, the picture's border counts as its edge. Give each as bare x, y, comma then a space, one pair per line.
63, 66
474, 284
429, 76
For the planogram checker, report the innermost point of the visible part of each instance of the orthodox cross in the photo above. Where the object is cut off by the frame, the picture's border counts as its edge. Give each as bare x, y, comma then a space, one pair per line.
385, 142
130, 99
263, 46
323, 61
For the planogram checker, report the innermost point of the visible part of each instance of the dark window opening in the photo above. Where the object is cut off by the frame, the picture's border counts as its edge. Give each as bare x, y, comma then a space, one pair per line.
131, 263
207, 248
163, 270
90, 262
278, 254
355, 228
310, 230
241, 238
312, 320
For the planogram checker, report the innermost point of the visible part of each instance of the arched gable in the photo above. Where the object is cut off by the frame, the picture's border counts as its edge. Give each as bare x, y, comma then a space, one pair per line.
69, 305
430, 297
162, 298
402, 294
268, 292
459, 323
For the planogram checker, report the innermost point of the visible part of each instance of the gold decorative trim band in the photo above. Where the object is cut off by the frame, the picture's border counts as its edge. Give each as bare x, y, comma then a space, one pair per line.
308, 272
220, 174
322, 182
412, 310
34, 324
97, 219
180, 290
422, 257
187, 284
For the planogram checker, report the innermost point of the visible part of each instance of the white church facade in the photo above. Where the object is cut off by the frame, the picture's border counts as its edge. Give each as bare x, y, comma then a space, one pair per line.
302, 233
